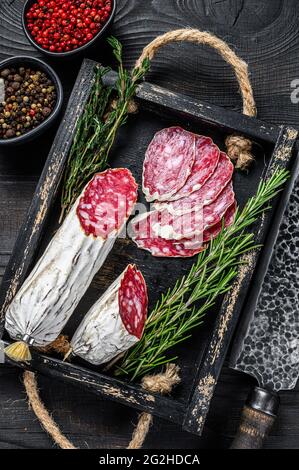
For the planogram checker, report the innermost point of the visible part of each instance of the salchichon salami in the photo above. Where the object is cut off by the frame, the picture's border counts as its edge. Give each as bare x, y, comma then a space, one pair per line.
115, 322
206, 160
168, 163
77, 251
160, 247
170, 226
206, 194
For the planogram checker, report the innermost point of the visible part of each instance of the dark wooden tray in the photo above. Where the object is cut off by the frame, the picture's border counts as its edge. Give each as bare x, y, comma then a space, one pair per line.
202, 357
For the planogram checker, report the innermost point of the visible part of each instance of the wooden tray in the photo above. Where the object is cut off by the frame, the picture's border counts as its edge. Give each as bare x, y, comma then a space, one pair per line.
201, 358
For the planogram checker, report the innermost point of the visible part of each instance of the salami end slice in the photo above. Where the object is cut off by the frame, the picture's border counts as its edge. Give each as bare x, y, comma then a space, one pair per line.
115, 322
206, 160
168, 163
107, 201
133, 301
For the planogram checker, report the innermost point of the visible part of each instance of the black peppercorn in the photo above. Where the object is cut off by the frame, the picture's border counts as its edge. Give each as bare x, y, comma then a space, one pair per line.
30, 97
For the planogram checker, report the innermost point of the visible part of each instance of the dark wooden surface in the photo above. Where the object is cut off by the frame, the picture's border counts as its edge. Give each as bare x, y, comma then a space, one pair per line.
265, 33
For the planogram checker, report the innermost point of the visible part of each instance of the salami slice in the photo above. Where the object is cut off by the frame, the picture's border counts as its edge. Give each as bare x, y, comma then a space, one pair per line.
168, 163
206, 160
145, 239
172, 227
206, 194
212, 232
115, 322
77, 251
185, 248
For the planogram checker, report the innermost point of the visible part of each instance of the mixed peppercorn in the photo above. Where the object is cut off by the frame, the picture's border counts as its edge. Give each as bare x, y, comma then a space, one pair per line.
64, 25
29, 98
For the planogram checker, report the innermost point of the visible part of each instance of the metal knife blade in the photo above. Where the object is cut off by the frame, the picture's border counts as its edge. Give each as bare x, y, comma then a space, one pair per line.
267, 342
267, 345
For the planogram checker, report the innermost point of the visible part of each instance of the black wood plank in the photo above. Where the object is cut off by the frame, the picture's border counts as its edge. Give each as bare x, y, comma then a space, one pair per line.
162, 101
113, 389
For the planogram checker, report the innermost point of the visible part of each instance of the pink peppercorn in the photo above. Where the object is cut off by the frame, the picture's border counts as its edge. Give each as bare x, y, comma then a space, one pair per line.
52, 22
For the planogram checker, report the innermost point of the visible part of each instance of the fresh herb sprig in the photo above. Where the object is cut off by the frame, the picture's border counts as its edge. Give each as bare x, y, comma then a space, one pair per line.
183, 307
96, 130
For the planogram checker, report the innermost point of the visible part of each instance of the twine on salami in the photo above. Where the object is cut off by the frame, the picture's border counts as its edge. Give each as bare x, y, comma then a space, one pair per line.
238, 147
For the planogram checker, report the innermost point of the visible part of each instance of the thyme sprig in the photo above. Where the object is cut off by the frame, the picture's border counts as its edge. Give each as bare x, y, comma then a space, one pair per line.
98, 125
183, 307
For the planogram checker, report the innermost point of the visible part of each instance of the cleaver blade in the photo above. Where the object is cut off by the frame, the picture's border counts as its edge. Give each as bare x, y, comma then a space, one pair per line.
267, 342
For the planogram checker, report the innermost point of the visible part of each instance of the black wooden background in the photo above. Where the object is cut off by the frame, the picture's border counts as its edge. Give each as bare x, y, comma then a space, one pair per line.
263, 32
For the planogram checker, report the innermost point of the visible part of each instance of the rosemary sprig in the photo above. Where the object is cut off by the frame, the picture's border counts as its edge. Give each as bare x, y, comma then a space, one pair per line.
98, 125
183, 307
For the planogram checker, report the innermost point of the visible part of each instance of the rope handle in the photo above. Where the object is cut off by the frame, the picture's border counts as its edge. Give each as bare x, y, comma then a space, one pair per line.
238, 147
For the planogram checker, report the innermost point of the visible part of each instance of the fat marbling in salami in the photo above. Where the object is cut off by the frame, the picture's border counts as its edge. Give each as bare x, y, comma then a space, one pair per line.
206, 160
206, 194
168, 163
145, 239
171, 226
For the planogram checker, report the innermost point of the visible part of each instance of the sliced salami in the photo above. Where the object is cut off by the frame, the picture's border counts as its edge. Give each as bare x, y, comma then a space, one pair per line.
115, 322
172, 227
185, 248
107, 201
145, 239
212, 232
206, 160
206, 194
168, 163
50, 294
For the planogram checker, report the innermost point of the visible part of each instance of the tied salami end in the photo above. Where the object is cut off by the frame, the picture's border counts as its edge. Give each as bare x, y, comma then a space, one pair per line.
18, 352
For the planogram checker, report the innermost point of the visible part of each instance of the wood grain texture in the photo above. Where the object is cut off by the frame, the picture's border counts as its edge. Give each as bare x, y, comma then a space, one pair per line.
266, 35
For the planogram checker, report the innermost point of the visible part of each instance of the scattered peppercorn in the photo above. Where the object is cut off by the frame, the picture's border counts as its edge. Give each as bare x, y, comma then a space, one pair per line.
25, 105
64, 25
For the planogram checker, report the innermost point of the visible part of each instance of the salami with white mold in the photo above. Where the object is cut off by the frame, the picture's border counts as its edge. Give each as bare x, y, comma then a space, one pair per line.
168, 163
160, 247
77, 251
206, 159
115, 322
206, 194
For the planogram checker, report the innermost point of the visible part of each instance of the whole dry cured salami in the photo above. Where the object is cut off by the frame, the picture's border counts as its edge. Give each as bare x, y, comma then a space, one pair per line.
115, 322
206, 160
170, 226
206, 194
160, 247
52, 291
168, 163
